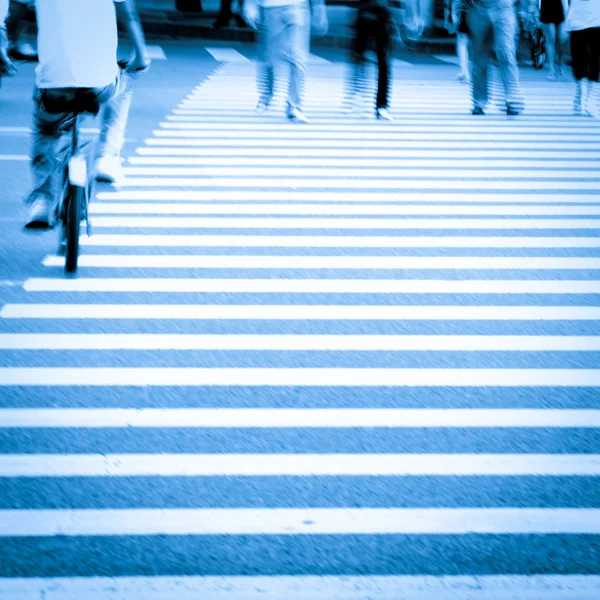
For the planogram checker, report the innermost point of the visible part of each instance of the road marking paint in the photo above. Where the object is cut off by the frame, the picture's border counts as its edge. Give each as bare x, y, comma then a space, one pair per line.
364, 197
221, 53
360, 184
311, 286
352, 174
440, 263
298, 343
414, 587
298, 418
298, 465
98, 208
291, 377
186, 222
295, 312
14, 157
299, 521
317, 241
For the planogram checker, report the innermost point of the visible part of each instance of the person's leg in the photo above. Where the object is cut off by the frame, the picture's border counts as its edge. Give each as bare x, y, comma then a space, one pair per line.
265, 72
7, 68
358, 48
14, 27
383, 39
50, 143
550, 35
579, 63
592, 39
560, 47
462, 52
224, 15
504, 24
296, 50
480, 49
114, 115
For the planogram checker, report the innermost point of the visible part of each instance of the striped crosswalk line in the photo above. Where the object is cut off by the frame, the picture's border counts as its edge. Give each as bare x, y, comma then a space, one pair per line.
203, 411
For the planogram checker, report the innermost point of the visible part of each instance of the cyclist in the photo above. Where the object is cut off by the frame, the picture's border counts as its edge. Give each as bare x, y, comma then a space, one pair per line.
77, 45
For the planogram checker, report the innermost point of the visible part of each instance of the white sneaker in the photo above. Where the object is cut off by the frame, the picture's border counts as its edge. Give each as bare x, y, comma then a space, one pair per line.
296, 115
578, 100
38, 215
109, 169
593, 100
384, 114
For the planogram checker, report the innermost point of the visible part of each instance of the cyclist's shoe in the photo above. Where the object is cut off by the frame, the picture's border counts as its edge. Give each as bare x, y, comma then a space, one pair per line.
23, 52
109, 169
38, 216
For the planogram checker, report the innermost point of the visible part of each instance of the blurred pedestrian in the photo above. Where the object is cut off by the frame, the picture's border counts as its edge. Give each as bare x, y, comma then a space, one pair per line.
374, 21
227, 12
492, 25
7, 68
583, 22
284, 27
455, 20
552, 15
15, 21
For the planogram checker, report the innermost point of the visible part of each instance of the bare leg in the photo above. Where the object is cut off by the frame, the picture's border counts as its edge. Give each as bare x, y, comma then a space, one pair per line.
550, 33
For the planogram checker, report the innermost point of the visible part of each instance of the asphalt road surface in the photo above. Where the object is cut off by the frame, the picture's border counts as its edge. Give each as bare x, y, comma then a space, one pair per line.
347, 359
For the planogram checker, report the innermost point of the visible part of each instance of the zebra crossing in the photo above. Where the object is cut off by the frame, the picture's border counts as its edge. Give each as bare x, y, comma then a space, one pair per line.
347, 359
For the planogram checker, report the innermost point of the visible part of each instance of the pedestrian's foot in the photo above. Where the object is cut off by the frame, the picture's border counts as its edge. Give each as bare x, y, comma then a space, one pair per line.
463, 77
552, 76
591, 110
348, 105
109, 169
383, 114
296, 115
478, 110
38, 215
262, 107
23, 52
514, 108
7, 68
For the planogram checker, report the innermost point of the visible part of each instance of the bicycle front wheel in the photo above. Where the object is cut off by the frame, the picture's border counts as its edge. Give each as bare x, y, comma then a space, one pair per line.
76, 198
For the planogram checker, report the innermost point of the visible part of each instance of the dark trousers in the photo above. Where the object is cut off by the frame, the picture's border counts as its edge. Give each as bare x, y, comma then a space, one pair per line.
373, 23
585, 52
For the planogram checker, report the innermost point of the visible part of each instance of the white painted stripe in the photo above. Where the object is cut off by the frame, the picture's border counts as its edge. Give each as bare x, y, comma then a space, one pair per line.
299, 465
292, 312
14, 157
298, 417
318, 241
347, 197
311, 286
139, 208
341, 223
300, 521
221, 53
357, 184
320, 162
155, 52
311, 377
197, 261
382, 143
189, 125
486, 587
543, 156
349, 136
289, 342
464, 173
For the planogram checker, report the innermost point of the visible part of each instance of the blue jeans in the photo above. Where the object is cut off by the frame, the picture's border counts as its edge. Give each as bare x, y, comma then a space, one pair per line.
285, 35
489, 20
54, 118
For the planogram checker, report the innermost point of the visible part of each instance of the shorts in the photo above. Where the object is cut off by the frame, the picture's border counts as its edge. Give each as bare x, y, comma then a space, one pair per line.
552, 12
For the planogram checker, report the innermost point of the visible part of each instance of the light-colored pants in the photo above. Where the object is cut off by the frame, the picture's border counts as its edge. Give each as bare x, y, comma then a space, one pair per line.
285, 35
53, 122
498, 19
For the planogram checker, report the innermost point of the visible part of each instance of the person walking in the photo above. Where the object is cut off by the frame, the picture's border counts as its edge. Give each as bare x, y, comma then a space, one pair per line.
583, 23
7, 68
284, 27
552, 16
495, 20
374, 20
15, 20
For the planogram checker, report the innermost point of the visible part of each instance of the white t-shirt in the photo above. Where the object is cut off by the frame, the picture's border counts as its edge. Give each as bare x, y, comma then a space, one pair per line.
77, 43
584, 14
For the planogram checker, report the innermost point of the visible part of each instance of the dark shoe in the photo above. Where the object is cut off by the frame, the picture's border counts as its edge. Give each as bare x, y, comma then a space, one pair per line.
514, 109
478, 111
38, 215
24, 52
